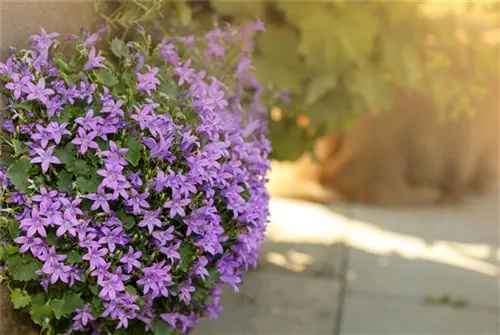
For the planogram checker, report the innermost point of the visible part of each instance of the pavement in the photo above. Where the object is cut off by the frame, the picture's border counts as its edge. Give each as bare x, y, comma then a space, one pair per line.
351, 269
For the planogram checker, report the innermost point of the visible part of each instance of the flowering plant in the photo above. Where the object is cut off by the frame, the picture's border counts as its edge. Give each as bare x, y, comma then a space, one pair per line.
136, 182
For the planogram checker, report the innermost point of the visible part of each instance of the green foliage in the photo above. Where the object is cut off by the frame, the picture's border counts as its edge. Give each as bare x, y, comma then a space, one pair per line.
19, 147
446, 300
119, 48
18, 174
66, 154
23, 268
65, 182
74, 257
161, 328
40, 309
19, 298
66, 305
106, 77
133, 155
88, 185
341, 60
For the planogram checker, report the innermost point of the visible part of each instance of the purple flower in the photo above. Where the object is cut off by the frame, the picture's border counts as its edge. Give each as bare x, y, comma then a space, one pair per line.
170, 318
185, 291
111, 287
135, 179
185, 72
114, 155
50, 256
137, 201
33, 244
44, 41
112, 176
38, 91
57, 131
68, 224
130, 259
111, 237
94, 62
151, 220
176, 206
43, 136
168, 51
45, 196
34, 224
113, 108
100, 200
171, 251
95, 257
84, 315
199, 268
45, 158
88, 122
85, 140
57, 271
147, 81
160, 181
18, 85
163, 236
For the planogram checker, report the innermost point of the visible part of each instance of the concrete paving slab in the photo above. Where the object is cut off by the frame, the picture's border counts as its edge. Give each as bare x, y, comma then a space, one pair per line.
380, 315
305, 259
304, 238
427, 251
276, 303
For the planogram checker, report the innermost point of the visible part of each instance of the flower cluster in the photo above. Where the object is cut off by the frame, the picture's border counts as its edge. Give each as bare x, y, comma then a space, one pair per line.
136, 183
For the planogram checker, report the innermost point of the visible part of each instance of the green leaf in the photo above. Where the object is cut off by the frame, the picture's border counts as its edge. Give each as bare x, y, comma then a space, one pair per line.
161, 328
332, 39
119, 48
169, 89
13, 228
373, 87
52, 238
131, 290
187, 256
212, 279
67, 305
280, 75
40, 312
246, 8
66, 154
19, 147
94, 289
133, 155
21, 268
87, 185
11, 249
65, 182
80, 167
127, 220
279, 45
57, 306
184, 12
319, 86
66, 115
74, 257
59, 60
18, 174
19, 299
97, 306
106, 77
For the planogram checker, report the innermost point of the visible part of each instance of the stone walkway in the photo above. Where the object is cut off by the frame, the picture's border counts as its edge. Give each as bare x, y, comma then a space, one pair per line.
349, 269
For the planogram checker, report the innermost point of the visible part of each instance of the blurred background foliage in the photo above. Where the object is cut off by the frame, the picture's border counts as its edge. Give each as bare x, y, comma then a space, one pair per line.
340, 60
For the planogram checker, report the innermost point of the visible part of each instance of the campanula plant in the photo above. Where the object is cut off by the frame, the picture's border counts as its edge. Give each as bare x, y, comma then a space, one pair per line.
135, 186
